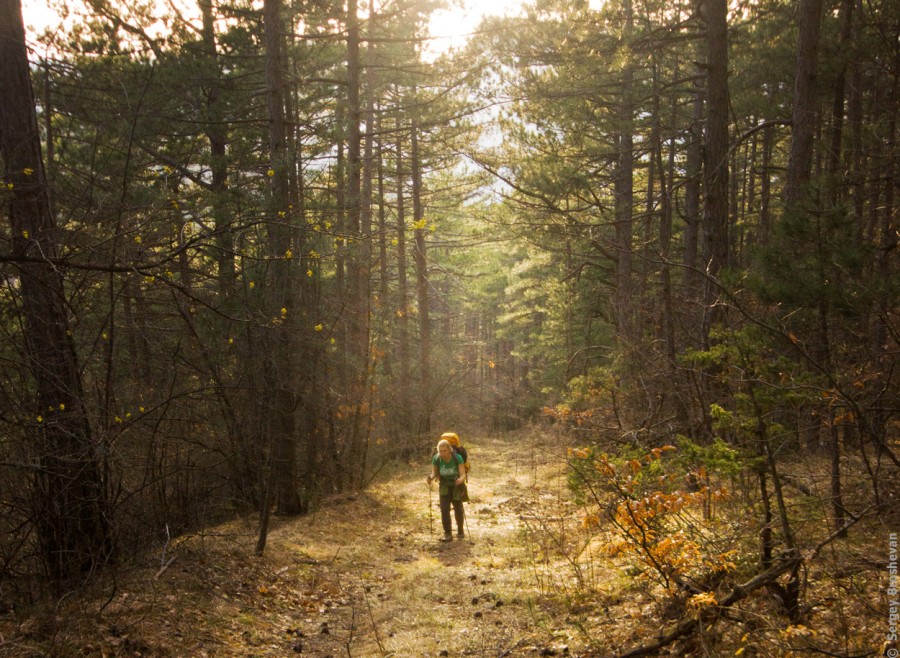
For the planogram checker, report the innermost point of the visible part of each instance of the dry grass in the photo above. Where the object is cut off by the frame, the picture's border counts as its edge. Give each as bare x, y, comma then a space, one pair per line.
366, 576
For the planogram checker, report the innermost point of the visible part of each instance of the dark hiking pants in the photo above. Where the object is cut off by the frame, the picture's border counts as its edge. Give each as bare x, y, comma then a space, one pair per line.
457, 512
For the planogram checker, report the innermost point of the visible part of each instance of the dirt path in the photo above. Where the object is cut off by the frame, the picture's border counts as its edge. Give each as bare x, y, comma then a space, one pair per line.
404, 593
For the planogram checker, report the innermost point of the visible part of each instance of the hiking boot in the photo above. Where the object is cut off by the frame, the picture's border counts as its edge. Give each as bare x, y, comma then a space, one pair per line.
447, 537
460, 535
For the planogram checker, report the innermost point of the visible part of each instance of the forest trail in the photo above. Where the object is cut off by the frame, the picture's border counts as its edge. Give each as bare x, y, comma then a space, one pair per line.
365, 575
394, 589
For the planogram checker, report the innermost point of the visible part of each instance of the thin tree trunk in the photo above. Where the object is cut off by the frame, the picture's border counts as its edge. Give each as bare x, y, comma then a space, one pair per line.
383, 283
765, 187
693, 174
218, 140
355, 347
667, 184
715, 160
406, 414
340, 198
421, 260
624, 197
839, 515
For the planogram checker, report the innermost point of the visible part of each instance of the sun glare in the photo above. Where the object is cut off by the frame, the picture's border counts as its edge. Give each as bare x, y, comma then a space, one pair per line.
38, 16
451, 28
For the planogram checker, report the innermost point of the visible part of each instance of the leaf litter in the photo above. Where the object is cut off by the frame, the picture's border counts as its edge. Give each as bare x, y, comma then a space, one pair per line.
365, 575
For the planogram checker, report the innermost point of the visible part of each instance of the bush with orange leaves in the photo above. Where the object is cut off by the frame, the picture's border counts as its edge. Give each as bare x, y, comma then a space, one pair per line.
656, 510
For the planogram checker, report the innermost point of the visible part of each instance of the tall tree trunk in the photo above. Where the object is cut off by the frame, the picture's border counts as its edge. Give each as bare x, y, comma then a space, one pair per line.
837, 108
421, 260
804, 121
356, 348
667, 184
692, 186
765, 186
803, 117
71, 505
340, 224
359, 206
281, 305
624, 196
715, 156
218, 140
383, 283
406, 414
363, 414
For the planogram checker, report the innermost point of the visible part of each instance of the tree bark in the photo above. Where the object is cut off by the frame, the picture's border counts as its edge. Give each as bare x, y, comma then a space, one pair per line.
837, 108
406, 414
421, 261
715, 156
71, 504
281, 305
803, 117
624, 196
692, 186
218, 140
765, 187
355, 346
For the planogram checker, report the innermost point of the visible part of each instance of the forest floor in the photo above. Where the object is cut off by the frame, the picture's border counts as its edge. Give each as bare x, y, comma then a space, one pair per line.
366, 575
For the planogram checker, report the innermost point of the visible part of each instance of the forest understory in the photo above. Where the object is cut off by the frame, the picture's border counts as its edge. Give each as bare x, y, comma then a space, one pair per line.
365, 575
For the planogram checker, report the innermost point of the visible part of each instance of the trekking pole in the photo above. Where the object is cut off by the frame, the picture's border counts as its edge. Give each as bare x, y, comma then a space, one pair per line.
430, 509
466, 521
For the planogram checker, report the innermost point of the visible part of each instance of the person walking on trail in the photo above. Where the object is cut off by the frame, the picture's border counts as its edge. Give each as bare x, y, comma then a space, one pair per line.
447, 466
453, 438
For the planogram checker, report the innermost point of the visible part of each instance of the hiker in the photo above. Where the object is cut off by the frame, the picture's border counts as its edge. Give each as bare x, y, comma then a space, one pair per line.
447, 467
453, 438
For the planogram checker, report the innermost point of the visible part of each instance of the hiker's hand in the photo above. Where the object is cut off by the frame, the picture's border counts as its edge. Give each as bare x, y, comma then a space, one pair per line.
460, 480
